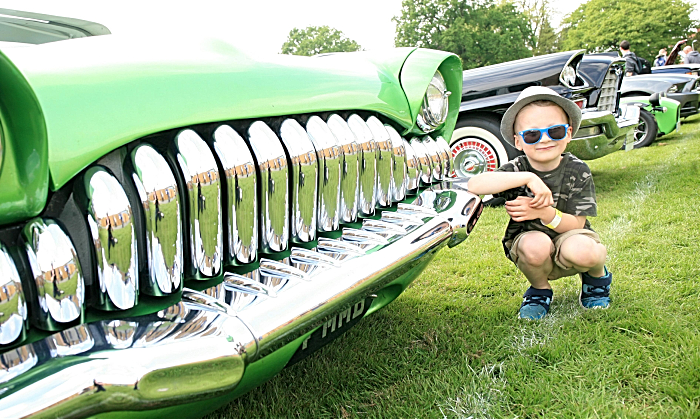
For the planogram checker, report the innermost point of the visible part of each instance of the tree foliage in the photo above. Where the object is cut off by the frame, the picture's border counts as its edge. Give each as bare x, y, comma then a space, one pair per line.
543, 39
481, 32
649, 25
317, 40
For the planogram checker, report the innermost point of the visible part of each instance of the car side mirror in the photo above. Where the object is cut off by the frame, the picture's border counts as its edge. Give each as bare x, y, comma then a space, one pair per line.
655, 98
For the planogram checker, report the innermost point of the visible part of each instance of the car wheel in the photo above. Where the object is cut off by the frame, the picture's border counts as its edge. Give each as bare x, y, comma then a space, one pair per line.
477, 147
645, 131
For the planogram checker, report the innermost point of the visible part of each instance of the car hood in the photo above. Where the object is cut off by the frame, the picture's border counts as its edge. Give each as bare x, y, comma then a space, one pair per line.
515, 76
96, 94
38, 28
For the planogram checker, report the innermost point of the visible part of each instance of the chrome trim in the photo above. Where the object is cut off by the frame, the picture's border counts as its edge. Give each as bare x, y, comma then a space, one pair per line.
383, 228
203, 195
448, 163
240, 185
338, 250
165, 367
241, 283
157, 361
419, 210
398, 165
329, 169
16, 362
367, 166
110, 222
434, 153
349, 181
413, 169
274, 185
13, 306
384, 161
276, 269
303, 166
425, 160
363, 238
56, 272
207, 300
305, 305
306, 256
406, 221
160, 201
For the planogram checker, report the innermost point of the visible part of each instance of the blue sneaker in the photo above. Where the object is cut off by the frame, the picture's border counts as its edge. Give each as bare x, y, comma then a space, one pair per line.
535, 303
595, 292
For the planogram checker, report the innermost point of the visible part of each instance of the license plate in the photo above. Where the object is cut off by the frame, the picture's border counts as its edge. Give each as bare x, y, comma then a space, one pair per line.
331, 329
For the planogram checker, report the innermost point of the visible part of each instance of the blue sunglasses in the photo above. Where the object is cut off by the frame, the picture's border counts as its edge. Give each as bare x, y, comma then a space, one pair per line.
534, 135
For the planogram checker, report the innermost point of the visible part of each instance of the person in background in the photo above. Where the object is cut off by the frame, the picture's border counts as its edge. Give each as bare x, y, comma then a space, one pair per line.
661, 58
630, 59
691, 57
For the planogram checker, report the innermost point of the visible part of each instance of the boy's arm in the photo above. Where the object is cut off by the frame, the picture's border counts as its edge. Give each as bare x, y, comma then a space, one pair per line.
520, 210
496, 182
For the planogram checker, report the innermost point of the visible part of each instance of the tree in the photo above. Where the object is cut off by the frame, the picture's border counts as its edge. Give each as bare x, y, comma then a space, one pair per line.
481, 32
317, 40
543, 39
600, 25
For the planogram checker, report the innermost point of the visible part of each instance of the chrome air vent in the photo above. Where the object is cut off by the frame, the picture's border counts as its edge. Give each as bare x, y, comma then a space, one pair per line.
607, 100
197, 208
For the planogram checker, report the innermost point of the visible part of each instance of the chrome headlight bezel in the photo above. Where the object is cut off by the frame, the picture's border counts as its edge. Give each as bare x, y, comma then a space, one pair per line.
434, 110
568, 76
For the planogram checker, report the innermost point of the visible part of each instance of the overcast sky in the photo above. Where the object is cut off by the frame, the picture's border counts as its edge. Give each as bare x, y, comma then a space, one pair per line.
261, 25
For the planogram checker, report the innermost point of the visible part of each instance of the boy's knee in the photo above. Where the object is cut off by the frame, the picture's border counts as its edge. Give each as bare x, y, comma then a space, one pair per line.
583, 251
535, 249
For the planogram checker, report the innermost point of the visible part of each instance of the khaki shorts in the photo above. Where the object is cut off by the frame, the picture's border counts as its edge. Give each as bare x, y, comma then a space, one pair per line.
559, 270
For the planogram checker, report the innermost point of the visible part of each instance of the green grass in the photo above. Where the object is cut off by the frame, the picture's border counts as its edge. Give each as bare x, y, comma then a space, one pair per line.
451, 346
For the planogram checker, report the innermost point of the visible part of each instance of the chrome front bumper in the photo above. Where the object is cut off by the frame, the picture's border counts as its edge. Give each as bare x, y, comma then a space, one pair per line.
602, 133
200, 347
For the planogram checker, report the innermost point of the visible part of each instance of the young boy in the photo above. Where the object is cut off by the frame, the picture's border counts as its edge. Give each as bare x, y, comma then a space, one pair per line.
548, 195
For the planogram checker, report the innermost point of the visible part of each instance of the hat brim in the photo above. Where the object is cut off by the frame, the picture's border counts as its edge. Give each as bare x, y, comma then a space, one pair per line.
569, 107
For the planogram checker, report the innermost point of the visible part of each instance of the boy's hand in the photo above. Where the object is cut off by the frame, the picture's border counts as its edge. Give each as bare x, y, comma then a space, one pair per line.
543, 196
521, 209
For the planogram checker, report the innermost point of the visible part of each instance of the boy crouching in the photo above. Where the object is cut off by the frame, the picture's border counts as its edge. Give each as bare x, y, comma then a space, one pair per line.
548, 195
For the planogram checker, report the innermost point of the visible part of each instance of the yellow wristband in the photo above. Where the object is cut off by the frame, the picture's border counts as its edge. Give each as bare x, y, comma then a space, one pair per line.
555, 222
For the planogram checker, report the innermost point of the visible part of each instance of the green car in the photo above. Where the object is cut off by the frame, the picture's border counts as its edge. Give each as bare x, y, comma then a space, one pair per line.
659, 115
180, 221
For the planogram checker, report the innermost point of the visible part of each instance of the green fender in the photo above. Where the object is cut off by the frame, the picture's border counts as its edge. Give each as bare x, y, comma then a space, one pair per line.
668, 119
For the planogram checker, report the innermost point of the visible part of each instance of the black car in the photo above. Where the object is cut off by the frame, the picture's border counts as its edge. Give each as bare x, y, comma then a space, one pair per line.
681, 87
690, 69
477, 144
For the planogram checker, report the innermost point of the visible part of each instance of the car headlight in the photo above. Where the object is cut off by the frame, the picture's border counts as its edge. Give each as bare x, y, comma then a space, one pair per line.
433, 112
672, 89
568, 76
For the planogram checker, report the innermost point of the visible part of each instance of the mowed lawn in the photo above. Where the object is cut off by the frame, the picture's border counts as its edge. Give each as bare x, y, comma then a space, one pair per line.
452, 347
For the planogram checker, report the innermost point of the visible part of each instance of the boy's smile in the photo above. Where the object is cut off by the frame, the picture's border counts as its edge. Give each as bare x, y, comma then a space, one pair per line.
546, 154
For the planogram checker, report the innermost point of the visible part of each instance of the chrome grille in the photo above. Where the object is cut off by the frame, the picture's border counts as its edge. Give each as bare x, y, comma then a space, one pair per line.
207, 200
607, 101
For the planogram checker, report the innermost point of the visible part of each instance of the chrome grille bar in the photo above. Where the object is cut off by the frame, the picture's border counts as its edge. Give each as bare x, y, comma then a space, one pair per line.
368, 165
111, 225
303, 166
413, 169
398, 165
349, 188
14, 306
160, 201
274, 184
203, 194
56, 273
384, 161
426, 162
328, 154
240, 187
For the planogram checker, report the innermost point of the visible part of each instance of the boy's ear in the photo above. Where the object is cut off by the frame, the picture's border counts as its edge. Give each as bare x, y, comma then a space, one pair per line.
516, 140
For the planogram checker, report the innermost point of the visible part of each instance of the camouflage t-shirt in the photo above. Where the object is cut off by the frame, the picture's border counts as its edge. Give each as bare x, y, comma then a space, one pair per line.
572, 189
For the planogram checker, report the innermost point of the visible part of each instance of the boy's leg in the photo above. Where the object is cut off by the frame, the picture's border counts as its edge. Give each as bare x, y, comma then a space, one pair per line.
587, 255
533, 255
584, 254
